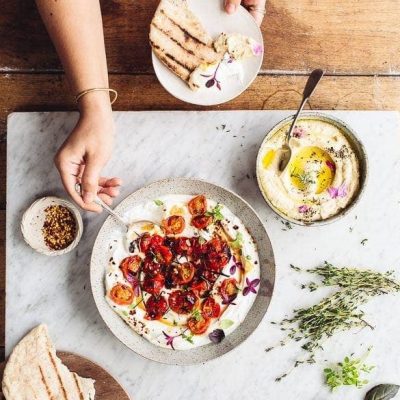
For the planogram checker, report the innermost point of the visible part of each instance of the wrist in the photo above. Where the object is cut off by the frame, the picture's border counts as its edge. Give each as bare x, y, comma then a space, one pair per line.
98, 102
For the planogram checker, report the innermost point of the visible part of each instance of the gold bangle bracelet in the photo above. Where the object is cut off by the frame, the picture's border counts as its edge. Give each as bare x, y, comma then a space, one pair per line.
114, 92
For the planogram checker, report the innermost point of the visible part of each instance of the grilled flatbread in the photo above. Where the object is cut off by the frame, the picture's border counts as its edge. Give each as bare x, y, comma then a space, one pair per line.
34, 372
179, 40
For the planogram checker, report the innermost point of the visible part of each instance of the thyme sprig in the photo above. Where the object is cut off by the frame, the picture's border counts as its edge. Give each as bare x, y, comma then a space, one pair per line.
338, 312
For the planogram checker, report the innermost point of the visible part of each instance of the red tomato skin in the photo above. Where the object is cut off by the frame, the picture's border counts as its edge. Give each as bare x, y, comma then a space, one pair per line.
163, 255
153, 284
210, 308
228, 288
197, 205
144, 242
182, 302
130, 266
156, 307
156, 241
183, 273
150, 266
201, 221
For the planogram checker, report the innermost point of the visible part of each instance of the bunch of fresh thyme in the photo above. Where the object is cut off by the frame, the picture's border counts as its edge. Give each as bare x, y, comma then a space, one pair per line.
337, 312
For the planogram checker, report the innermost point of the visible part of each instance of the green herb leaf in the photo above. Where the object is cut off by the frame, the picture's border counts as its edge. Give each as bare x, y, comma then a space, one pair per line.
238, 242
124, 312
348, 372
216, 213
196, 314
158, 203
384, 391
188, 338
226, 323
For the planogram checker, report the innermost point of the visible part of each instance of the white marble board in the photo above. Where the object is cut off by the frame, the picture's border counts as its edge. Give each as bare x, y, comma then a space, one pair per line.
220, 147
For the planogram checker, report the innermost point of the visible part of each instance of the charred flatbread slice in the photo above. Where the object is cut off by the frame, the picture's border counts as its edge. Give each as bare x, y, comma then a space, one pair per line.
34, 372
179, 40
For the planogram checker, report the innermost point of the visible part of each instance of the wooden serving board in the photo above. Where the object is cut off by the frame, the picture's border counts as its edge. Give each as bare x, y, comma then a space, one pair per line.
107, 388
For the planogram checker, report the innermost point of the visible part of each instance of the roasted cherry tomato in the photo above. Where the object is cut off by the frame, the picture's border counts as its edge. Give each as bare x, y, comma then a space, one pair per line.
122, 294
156, 241
201, 221
198, 326
229, 288
209, 276
217, 261
182, 302
200, 287
144, 242
210, 308
153, 284
156, 307
150, 266
173, 225
198, 205
183, 246
199, 247
130, 266
183, 273
163, 254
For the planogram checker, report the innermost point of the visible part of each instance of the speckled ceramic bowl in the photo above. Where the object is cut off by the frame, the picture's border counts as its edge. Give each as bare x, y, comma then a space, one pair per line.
32, 224
100, 257
357, 147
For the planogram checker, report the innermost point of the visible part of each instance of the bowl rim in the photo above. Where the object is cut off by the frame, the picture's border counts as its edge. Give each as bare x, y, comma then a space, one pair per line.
355, 142
175, 360
58, 200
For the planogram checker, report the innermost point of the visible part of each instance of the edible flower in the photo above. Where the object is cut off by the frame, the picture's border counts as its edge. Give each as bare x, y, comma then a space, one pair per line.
298, 132
303, 209
340, 191
251, 286
170, 339
236, 264
257, 49
331, 165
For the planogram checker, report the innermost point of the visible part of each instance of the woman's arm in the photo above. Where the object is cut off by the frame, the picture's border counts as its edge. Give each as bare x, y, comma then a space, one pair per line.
75, 27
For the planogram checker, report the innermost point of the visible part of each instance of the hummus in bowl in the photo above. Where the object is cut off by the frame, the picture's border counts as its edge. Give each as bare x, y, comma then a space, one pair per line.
325, 174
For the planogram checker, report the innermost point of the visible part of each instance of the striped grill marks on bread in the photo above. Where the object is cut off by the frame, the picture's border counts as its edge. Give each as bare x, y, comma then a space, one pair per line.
179, 40
34, 372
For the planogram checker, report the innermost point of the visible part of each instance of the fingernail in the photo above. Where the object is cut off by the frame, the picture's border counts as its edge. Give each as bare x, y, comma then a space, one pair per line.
88, 197
230, 8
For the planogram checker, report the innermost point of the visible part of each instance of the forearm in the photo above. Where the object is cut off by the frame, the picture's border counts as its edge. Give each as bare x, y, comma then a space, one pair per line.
75, 27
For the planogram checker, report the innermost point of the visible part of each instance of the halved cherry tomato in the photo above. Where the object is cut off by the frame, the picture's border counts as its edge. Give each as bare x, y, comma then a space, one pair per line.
199, 286
173, 225
182, 302
150, 266
144, 242
198, 327
153, 284
183, 246
198, 205
201, 221
229, 288
210, 308
209, 275
217, 261
156, 241
156, 307
122, 294
130, 266
199, 247
183, 273
163, 254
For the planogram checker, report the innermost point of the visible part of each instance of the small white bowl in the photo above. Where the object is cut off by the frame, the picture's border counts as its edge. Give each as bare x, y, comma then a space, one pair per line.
32, 224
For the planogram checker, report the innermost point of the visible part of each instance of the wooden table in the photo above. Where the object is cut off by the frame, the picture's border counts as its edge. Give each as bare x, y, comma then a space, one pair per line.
357, 43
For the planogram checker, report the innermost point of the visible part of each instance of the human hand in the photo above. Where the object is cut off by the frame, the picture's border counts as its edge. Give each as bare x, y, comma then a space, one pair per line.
255, 7
85, 152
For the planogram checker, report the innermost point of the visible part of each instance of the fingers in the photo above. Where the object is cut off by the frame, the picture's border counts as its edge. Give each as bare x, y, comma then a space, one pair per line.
110, 182
256, 9
90, 179
231, 6
69, 180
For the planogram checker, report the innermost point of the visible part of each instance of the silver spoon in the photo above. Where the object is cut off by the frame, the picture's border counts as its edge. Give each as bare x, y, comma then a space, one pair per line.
312, 82
97, 200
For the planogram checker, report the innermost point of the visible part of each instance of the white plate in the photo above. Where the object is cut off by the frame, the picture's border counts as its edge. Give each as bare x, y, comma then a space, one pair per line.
215, 20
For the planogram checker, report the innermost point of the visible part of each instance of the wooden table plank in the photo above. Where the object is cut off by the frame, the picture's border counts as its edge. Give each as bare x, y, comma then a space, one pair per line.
359, 37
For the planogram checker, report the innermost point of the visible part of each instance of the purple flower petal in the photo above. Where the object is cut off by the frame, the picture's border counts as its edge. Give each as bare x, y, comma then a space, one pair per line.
246, 291
298, 132
232, 270
170, 340
210, 83
331, 165
217, 336
257, 49
218, 85
251, 286
341, 191
303, 209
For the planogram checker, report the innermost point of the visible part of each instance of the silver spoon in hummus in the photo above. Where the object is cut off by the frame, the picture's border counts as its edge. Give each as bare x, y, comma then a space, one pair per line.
312, 82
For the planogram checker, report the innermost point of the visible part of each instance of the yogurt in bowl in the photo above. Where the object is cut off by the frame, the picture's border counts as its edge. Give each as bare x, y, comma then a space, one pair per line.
325, 175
